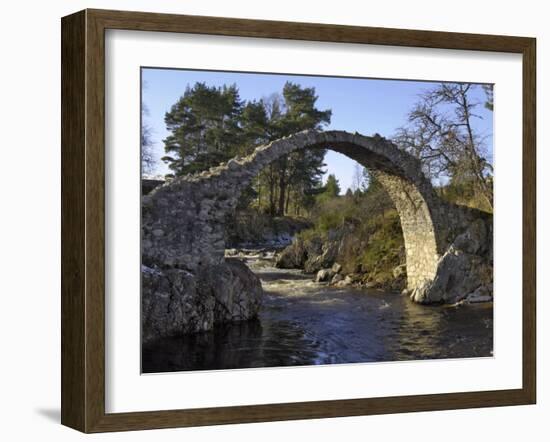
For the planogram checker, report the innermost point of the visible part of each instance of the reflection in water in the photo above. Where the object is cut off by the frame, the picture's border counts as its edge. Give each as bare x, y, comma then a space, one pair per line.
305, 323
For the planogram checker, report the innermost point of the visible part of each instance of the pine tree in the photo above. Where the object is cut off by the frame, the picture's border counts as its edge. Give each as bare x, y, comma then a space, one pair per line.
209, 125
299, 172
204, 126
332, 186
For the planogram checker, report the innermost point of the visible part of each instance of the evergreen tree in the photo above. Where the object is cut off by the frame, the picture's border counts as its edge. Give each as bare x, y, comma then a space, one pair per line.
255, 124
332, 187
209, 125
299, 172
204, 126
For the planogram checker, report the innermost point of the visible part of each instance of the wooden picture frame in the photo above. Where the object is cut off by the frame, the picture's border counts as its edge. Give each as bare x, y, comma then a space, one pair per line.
83, 220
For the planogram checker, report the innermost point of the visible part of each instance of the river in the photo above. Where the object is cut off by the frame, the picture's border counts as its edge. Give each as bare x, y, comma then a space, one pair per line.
307, 323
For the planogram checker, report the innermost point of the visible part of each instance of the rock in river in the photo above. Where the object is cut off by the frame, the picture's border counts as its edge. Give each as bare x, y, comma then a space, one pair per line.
175, 301
337, 278
465, 270
323, 275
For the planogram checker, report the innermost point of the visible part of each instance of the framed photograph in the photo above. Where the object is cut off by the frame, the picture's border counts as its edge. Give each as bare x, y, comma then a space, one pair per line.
267, 220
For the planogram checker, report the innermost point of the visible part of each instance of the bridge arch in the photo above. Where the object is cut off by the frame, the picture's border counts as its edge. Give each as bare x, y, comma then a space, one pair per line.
183, 221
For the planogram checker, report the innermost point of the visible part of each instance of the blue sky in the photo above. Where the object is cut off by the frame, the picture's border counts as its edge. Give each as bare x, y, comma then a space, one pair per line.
367, 106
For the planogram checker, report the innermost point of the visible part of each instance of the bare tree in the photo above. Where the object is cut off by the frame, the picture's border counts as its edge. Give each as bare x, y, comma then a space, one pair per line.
358, 178
440, 133
147, 157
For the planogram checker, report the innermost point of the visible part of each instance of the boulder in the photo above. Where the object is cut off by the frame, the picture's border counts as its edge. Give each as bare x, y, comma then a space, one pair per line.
336, 278
355, 277
483, 293
323, 275
236, 290
347, 281
177, 302
474, 239
458, 274
171, 304
464, 271
293, 256
325, 259
336, 267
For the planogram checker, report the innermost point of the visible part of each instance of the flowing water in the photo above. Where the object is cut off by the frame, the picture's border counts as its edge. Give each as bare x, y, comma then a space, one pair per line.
308, 323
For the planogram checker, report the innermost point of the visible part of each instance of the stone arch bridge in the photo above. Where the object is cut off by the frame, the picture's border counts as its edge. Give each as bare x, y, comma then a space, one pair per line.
183, 220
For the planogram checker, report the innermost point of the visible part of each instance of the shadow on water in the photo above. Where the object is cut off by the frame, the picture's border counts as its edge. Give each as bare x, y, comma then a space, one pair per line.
244, 344
305, 323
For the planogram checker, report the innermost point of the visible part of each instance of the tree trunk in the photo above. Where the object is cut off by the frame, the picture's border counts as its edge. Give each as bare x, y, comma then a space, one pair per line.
259, 193
282, 187
271, 192
282, 194
287, 201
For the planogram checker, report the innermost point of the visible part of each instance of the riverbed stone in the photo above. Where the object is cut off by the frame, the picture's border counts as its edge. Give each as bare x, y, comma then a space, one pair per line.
325, 259
483, 293
337, 278
346, 282
323, 275
293, 256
